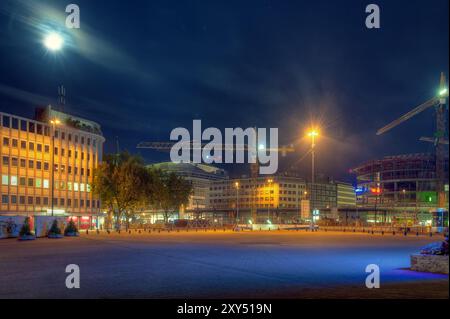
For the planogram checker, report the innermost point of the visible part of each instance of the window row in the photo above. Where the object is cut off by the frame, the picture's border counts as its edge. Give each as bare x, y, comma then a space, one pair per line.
58, 202
15, 162
13, 180
38, 147
42, 129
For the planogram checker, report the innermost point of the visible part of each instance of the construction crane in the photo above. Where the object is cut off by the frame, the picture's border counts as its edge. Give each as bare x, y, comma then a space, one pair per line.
439, 140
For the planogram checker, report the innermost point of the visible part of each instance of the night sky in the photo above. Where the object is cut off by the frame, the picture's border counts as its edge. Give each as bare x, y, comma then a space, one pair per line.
142, 68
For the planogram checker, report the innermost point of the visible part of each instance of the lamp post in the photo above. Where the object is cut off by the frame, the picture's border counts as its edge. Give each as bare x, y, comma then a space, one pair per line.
313, 133
53, 123
237, 202
269, 181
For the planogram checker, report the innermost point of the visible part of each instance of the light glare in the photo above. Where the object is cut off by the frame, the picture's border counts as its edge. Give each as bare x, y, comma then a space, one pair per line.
53, 41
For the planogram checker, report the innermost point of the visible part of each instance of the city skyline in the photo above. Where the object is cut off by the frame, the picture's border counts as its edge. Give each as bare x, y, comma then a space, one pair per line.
273, 65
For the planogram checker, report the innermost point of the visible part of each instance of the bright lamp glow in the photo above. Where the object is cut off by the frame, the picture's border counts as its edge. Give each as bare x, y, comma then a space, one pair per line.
313, 133
443, 92
53, 41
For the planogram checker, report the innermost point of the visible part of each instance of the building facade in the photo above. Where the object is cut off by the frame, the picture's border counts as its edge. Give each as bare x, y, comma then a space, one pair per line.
263, 198
401, 184
30, 146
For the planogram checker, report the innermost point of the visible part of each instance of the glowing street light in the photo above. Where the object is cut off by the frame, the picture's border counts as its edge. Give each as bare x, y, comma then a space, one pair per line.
269, 181
443, 92
236, 184
53, 41
312, 133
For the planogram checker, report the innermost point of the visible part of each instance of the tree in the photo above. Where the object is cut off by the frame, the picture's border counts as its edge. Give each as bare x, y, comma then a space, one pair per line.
169, 192
54, 229
71, 228
26, 229
121, 182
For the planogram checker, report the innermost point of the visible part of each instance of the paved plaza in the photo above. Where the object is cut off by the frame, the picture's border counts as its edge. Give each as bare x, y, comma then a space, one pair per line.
278, 264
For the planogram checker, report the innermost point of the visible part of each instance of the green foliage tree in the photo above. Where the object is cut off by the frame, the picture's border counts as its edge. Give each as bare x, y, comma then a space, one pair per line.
54, 229
26, 229
71, 228
121, 181
169, 192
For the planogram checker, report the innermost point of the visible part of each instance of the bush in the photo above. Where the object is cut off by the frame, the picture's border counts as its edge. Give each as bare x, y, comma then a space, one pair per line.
71, 228
438, 248
54, 229
26, 230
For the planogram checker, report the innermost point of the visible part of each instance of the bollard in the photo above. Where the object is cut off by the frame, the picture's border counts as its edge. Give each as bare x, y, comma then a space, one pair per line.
417, 233
139, 231
382, 232
129, 232
87, 232
214, 229
98, 232
431, 234
393, 233
108, 231
405, 233
354, 230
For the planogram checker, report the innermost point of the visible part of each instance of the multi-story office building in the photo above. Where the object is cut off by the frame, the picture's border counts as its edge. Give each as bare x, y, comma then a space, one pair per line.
267, 197
28, 150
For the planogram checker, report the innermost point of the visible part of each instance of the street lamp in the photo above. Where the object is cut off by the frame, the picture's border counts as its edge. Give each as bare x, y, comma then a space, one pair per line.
236, 184
313, 133
269, 181
53, 123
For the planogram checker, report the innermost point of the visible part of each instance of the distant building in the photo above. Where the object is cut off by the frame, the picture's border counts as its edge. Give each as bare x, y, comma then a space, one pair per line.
403, 183
26, 166
271, 197
346, 195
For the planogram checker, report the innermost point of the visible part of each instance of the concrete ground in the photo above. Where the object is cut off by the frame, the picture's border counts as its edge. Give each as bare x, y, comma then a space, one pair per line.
276, 264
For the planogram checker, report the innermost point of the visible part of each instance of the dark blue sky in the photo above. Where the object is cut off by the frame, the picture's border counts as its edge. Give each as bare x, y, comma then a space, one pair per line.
142, 68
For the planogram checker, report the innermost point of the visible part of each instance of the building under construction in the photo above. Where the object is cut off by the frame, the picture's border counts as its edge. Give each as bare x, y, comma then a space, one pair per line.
404, 187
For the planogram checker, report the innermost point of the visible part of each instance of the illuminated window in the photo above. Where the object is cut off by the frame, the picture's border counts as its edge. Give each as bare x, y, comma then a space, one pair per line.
46, 183
14, 180
82, 187
75, 187
5, 180
38, 182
